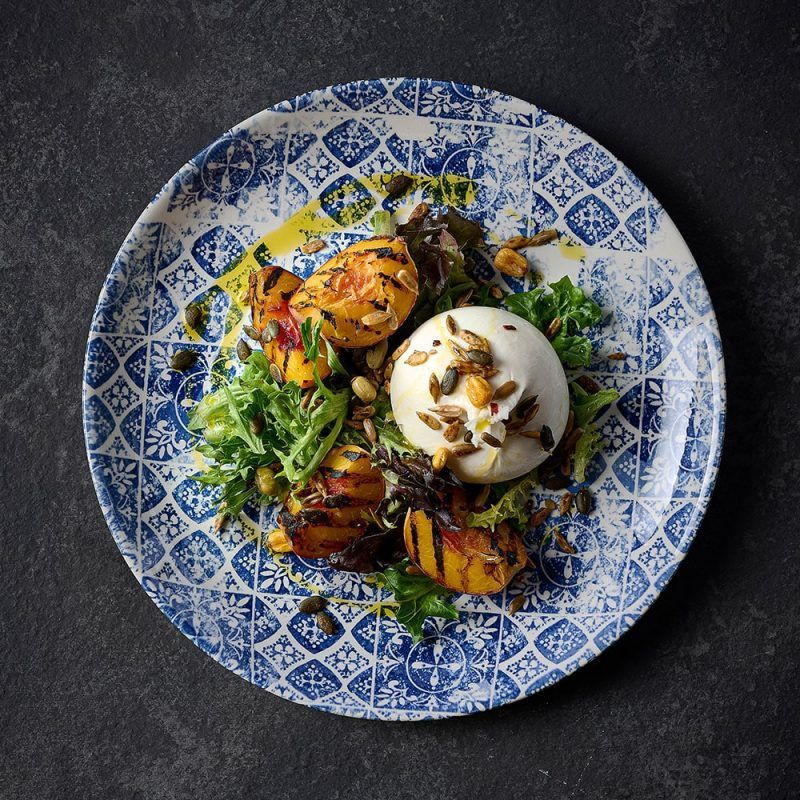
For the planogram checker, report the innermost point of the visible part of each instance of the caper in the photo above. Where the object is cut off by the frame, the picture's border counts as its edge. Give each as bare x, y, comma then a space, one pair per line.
449, 380
243, 350
183, 360
193, 315
312, 605
583, 501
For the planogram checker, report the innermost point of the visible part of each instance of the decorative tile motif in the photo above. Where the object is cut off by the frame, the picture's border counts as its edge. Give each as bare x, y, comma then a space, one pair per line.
515, 168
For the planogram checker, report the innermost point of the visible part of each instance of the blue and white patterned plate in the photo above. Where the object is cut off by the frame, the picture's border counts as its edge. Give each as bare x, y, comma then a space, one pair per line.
317, 160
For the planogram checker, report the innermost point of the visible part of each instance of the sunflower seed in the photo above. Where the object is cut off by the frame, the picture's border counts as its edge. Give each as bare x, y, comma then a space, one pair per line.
311, 605
193, 315
480, 357
509, 327
463, 299
355, 424
448, 410
375, 318
504, 390
393, 322
457, 350
476, 341
449, 380
468, 437
430, 421
616, 356
325, 623
584, 501
492, 441
525, 405
416, 358
363, 412
183, 360
563, 543
553, 328
452, 325
530, 413
450, 433
408, 280
539, 517
314, 246
566, 503
401, 349
388, 370
538, 239
369, 430
516, 604
496, 292
530, 434
483, 495
546, 438
463, 449
572, 440
434, 388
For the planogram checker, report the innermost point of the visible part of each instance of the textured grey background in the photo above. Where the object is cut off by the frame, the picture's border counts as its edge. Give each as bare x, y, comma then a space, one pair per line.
100, 696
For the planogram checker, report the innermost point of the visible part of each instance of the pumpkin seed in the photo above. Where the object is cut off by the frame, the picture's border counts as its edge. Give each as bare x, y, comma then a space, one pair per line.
616, 356
375, 318
401, 348
480, 357
562, 542
452, 325
257, 423
312, 605
408, 280
325, 623
430, 421
251, 332
363, 389
449, 380
369, 430
492, 441
243, 350
496, 292
276, 374
193, 315
556, 482
583, 501
540, 516
504, 390
314, 246
273, 328
550, 504
416, 358
450, 433
433, 387
377, 355
363, 412
183, 360
546, 438
516, 604
398, 185
420, 210
463, 449
440, 459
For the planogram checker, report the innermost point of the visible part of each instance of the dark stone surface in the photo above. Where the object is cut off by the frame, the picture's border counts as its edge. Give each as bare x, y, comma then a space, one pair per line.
101, 697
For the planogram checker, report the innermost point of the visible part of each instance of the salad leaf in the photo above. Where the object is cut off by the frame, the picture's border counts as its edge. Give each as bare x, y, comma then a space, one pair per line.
297, 438
587, 406
568, 302
417, 596
585, 450
382, 224
311, 339
512, 506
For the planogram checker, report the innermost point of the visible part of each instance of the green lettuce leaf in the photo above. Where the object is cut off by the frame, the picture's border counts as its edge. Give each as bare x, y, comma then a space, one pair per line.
586, 448
512, 506
311, 338
587, 406
417, 596
570, 303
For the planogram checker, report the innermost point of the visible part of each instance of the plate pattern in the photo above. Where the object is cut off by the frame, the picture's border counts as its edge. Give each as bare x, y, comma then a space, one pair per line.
517, 169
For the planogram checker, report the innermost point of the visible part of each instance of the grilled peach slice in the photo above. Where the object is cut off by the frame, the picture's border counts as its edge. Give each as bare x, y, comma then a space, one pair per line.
467, 560
351, 485
271, 288
363, 294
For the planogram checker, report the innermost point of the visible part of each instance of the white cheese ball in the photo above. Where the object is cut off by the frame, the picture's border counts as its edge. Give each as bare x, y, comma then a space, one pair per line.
522, 354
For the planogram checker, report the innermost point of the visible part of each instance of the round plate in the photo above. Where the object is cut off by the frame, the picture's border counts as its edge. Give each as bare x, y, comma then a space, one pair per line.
314, 166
